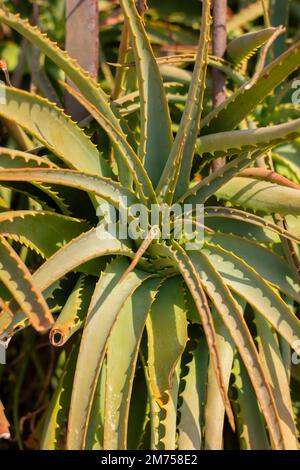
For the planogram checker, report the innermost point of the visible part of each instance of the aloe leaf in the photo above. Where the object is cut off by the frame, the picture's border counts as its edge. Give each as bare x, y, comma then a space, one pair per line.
86, 84
130, 103
270, 266
43, 195
250, 424
246, 219
72, 316
261, 196
230, 113
214, 408
175, 74
240, 228
166, 431
193, 282
281, 112
222, 177
38, 74
287, 168
192, 399
107, 301
202, 191
104, 187
232, 142
138, 431
248, 284
18, 280
243, 47
6, 314
95, 431
43, 232
80, 250
156, 135
164, 415
275, 371
46, 195
167, 336
127, 331
165, 63
130, 159
179, 164
233, 319
57, 411
49, 124
216, 62
10, 158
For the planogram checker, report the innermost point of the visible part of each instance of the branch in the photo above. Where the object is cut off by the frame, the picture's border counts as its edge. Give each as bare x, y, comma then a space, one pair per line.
219, 47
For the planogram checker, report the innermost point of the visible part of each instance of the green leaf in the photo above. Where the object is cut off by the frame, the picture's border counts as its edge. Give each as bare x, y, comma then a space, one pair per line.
232, 142
250, 424
127, 331
104, 187
270, 266
166, 432
10, 158
286, 161
167, 336
277, 377
57, 409
130, 159
261, 196
80, 250
106, 304
248, 284
192, 399
18, 280
139, 428
179, 164
232, 317
164, 416
175, 74
156, 135
223, 65
53, 128
46, 195
245, 223
193, 282
243, 47
73, 314
43, 232
214, 407
86, 84
230, 113
202, 191
94, 437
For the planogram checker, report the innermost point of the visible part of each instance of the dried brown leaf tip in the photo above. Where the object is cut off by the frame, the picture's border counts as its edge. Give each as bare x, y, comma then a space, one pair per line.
4, 424
142, 7
3, 67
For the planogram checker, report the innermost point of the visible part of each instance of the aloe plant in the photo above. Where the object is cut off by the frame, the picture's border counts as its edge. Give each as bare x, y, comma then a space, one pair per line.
179, 348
